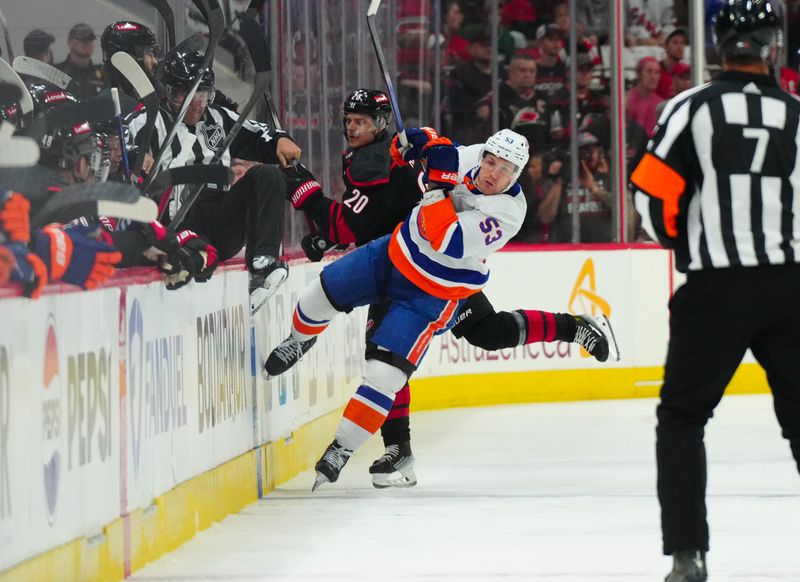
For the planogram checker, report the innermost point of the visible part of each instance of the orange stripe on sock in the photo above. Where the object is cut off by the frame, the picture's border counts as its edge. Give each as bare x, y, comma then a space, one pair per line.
367, 418
305, 328
656, 178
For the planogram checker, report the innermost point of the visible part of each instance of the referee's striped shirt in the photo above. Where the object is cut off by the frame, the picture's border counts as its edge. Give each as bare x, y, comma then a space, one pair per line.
720, 182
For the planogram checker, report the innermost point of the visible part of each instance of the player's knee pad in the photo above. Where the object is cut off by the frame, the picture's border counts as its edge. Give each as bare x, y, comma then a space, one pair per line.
384, 377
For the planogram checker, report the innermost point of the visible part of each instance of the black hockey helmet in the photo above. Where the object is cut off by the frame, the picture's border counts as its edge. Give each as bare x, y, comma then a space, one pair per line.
63, 147
747, 28
180, 69
370, 102
129, 37
46, 95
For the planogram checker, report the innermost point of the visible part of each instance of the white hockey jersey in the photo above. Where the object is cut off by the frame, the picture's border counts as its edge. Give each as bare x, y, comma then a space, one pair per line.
442, 247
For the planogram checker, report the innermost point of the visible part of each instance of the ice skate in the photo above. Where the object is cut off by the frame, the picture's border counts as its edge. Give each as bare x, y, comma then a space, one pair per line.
286, 355
688, 566
595, 335
266, 275
331, 463
395, 468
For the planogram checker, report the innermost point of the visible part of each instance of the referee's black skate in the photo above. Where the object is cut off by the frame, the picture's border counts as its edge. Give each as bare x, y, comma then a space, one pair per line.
688, 566
395, 468
331, 463
595, 335
286, 355
266, 275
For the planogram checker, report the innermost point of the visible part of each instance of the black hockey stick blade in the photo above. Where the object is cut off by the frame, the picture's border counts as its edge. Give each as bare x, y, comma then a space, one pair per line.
376, 44
41, 70
103, 199
97, 110
9, 94
193, 174
253, 36
165, 10
10, 76
193, 44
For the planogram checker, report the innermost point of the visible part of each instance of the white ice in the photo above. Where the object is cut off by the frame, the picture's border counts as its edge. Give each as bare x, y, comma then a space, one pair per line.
556, 492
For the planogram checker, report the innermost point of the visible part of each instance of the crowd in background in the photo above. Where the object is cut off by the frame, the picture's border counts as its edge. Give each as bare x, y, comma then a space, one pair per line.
533, 95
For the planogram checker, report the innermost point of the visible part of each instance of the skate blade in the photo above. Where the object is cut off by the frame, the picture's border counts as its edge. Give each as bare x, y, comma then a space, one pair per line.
258, 297
319, 481
613, 348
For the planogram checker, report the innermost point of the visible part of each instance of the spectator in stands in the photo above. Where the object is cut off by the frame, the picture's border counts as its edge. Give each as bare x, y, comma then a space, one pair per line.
89, 78
467, 84
519, 15
648, 20
674, 48
642, 99
543, 187
456, 45
599, 125
517, 96
551, 73
593, 14
594, 197
681, 78
37, 45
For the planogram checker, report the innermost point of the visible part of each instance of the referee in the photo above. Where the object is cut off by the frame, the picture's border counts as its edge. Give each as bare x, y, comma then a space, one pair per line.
720, 184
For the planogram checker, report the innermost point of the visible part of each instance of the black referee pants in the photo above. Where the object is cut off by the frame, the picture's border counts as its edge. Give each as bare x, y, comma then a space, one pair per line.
714, 318
251, 212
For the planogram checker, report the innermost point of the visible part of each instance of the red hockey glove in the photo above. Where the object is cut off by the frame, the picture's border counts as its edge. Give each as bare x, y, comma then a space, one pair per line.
15, 211
301, 186
441, 163
417, 139
196, 258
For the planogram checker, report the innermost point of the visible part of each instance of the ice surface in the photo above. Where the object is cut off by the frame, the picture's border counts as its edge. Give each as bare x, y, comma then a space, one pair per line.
556, 492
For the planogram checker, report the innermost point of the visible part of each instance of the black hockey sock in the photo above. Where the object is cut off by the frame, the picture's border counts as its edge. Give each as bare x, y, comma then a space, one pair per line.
565, 327
396, 430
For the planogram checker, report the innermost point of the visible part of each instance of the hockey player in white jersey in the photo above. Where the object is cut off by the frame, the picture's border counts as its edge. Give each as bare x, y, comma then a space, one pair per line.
432, 262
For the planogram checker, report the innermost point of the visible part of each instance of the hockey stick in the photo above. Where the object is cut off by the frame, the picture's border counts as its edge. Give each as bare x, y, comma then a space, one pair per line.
97, 110
373, 34
193, 174
257, 45
10, 76
216, 26
4, 24
126, 168
16, 151
107, 199
41, 70
130, 69
165, 10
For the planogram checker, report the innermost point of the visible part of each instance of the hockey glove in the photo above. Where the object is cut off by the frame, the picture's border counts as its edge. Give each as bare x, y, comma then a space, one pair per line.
15, 223
441, 168
301, 186
18, 264
71, 256
417, 139
196, 258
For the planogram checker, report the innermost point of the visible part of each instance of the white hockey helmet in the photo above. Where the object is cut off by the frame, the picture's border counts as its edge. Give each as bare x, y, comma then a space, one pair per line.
510, 146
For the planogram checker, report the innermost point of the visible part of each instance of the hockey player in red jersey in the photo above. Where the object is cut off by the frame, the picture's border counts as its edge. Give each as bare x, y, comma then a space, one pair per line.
381, 189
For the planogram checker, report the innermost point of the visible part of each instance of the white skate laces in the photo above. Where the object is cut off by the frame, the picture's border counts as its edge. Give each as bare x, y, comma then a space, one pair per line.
596, 336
